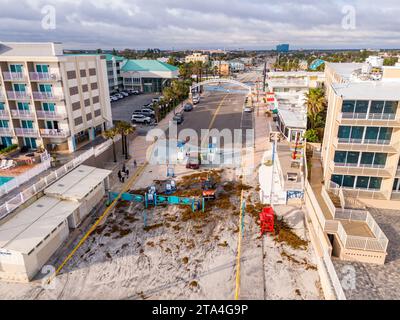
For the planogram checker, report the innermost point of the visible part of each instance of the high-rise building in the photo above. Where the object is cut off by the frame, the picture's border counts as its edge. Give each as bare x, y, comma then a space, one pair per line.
361, 146
49, 99
282, 47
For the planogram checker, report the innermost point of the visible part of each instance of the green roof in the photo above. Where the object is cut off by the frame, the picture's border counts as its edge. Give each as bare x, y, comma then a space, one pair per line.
147, 65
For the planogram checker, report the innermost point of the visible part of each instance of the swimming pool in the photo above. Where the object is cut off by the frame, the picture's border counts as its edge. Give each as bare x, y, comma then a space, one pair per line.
4, 180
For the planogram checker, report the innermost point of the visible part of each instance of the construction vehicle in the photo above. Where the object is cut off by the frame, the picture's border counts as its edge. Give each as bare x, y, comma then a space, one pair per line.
209, 189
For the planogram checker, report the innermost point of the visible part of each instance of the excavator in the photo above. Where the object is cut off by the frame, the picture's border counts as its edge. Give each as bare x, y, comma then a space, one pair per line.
209, 188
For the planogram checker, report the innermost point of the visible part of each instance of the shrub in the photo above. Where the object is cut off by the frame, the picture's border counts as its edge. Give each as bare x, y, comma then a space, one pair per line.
311, 135
9, 149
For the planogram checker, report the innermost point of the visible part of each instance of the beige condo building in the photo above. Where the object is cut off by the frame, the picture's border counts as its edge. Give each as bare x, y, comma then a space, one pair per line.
197, 57
361, 146
49, 99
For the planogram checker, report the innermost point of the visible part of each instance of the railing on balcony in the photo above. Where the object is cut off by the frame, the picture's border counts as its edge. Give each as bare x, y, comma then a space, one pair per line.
46, 96
54, 133
14, 76
5, 131
22, 114
4, 114
361, 169
18, 95
26, 132
369, 116
43, 76
364, 141
41, 114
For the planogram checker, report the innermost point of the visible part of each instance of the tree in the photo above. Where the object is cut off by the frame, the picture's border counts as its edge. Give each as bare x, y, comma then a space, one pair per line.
316, 104
311, 135
124, 129
110, 135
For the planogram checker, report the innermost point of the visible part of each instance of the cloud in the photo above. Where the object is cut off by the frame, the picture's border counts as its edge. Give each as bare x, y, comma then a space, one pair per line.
203, 23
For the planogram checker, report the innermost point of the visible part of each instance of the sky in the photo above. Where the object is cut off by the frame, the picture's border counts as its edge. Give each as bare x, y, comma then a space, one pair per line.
203, 24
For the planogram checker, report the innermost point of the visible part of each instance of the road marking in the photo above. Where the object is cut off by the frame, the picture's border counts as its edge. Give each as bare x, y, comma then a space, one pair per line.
126, 188
214, 118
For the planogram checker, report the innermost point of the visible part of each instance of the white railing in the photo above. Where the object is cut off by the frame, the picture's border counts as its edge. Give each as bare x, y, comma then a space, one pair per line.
26, 114
337, 285
371, 116
17, 76
29, 192
43, 76
46, 96
4, 114
26, 176
41, 114
54, 133
26, 132
16, 95
5, 131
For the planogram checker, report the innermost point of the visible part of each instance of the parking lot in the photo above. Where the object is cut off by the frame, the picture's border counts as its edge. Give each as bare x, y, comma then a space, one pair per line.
122, 109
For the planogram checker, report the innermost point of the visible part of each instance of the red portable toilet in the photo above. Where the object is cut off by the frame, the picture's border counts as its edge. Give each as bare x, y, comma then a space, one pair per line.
267, 220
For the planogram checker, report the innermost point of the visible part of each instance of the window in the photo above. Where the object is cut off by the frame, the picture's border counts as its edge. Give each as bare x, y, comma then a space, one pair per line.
87, 102
396, 185
375, 183
42, 68
18, 87
390, 107
2, 105
380, 159
89, 117
3, 123
94, 86
92, 72
377, 106
357, 133
340, 157
338, 179
348, 181
85, 88
96, 99
367, 158
45, 88
362, 182
78, 121
71, 75
352, 157
73, 91
348, 106
76, 106
97, 113
372, 133
48, 106
23, 106
27, 124
385, 133
83, 73
362, 106
18, 68
344, 132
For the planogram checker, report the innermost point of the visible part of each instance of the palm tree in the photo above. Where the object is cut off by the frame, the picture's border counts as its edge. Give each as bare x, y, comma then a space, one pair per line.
124, 129
316, 104
110, 135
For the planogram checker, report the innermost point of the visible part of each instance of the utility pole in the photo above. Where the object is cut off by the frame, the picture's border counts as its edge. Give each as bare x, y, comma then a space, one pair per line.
265, 75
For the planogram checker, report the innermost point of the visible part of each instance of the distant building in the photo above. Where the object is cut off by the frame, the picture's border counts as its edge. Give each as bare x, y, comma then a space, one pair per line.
147, 75
247, 61
236, 66
163, 59
222, 68
197, 57
50, 99
303, 64
282, 47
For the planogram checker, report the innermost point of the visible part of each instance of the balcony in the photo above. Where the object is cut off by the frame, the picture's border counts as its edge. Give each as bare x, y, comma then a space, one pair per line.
26, 132
44, 76
5, 132
365, 119
50, 115
46, 96
2, 97
4, 114
361, 170
54, 133
18, 95
369, 145
14, 76
22, 114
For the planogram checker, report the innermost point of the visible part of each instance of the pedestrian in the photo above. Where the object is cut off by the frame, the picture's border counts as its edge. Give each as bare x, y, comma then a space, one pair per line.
123, 177
134, 163
127, 173
119, 176
124, 168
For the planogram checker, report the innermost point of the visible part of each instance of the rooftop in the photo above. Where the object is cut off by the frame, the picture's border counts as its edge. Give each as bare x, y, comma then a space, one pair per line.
25, 49
78, 183
345, 70
368, 90
29, 227
148, 65
109, 57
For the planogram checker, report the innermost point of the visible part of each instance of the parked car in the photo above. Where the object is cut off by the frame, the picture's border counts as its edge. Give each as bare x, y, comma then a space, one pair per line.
196, 100
155, 100
140, 118
178, 118
188, 107
149, 105
193, 163
112, 99
148, 112
125, 94
248, 109
120, 96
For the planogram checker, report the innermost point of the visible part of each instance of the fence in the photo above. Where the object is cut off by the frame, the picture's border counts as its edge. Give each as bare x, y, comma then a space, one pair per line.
26, 176
29, 192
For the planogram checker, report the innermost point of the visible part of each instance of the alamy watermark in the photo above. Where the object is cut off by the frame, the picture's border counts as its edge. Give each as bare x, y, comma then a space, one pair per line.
349, 20
49, 19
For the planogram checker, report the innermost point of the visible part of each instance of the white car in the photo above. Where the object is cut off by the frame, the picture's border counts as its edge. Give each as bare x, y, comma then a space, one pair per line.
140, 118
196, 100
248, 109
120, 96
125, 94
112, 99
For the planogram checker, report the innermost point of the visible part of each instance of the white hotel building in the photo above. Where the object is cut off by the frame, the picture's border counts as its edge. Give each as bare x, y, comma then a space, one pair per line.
50, 99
